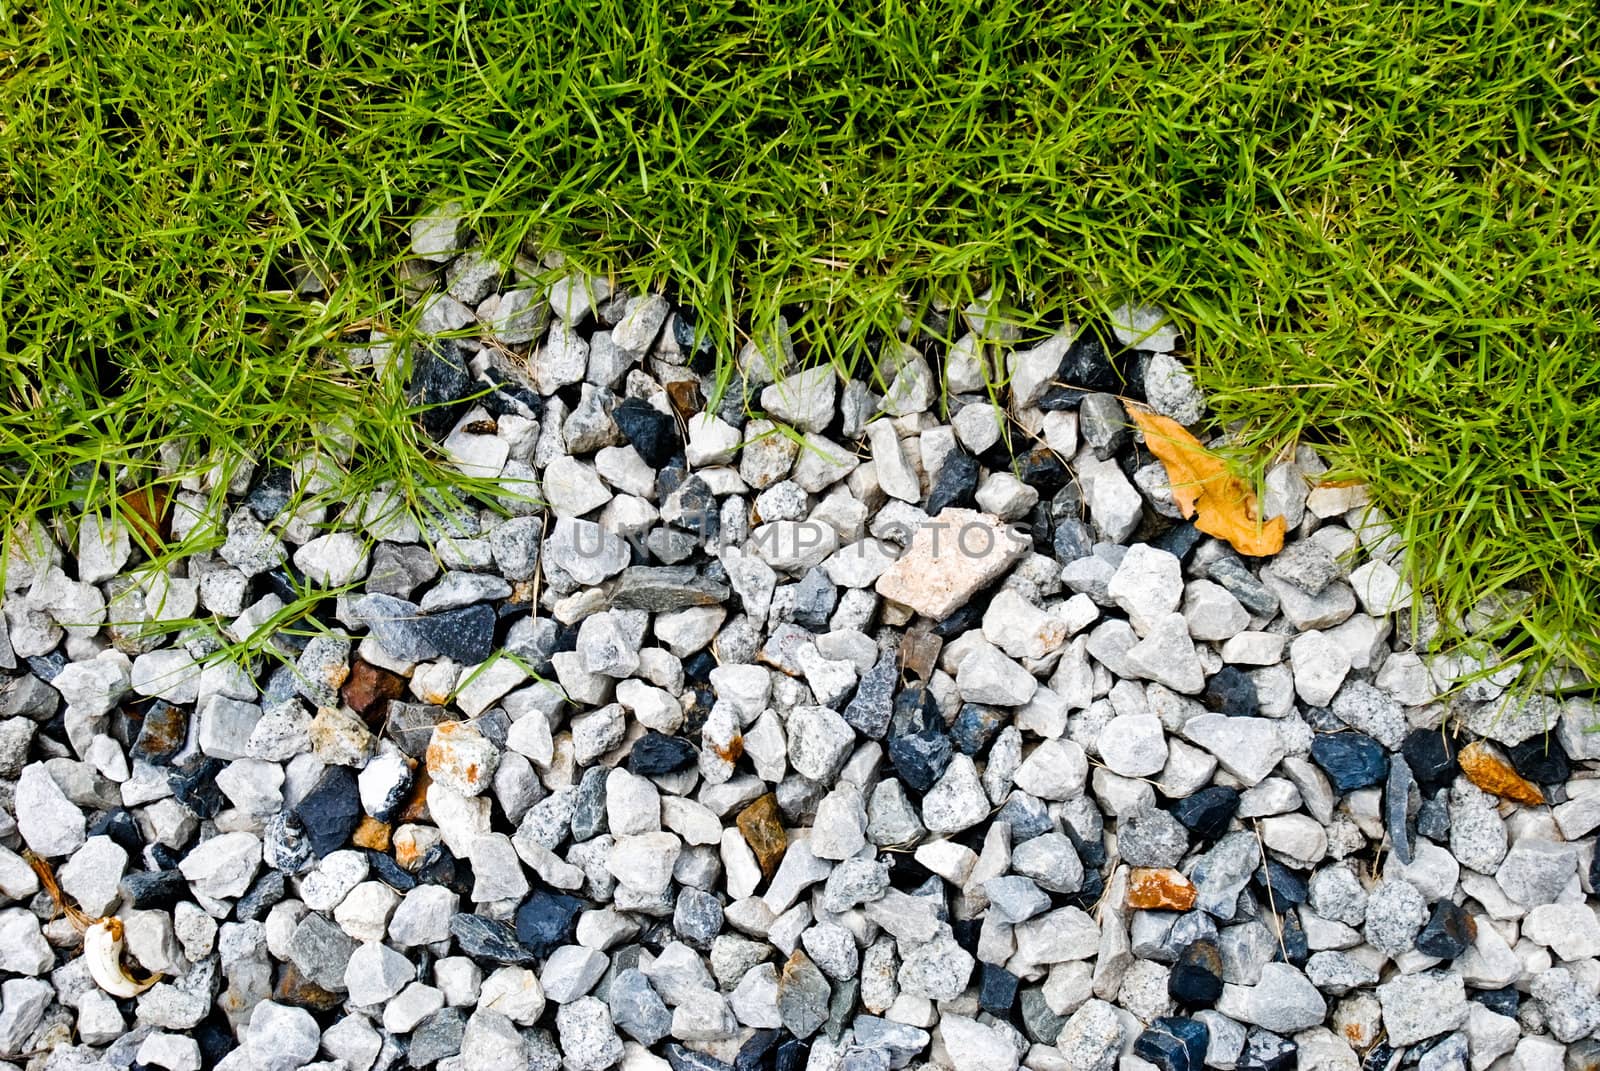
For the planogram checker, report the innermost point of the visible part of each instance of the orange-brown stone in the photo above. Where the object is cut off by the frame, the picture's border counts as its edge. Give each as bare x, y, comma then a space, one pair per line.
1486, 768
415, 808
296, 989
368, 689
762, 827
371, 833
1159, 889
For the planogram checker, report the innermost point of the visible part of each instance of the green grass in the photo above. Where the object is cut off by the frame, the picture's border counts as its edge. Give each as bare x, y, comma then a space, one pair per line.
1377, 222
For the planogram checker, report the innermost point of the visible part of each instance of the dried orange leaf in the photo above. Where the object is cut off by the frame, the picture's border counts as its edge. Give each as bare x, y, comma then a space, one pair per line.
145, 508
1202, 487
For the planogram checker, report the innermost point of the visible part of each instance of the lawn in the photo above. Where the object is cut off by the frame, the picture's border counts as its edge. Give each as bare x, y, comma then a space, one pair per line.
1379, 224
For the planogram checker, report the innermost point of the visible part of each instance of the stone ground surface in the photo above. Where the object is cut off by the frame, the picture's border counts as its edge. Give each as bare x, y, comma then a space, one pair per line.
842, 737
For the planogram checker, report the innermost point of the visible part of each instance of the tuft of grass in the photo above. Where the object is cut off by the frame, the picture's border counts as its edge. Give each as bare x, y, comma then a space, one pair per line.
1377, 224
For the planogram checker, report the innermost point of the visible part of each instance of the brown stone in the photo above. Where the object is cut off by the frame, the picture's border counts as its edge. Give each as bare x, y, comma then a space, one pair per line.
762, 827
1159, 889
371, 833
296, 989
919, 653
1488, 769
368, 689
415, 808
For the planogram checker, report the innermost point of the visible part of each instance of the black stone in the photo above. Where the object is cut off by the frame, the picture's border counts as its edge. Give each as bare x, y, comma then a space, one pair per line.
920, 758
1097, 362
1541, 759
269, 889
162, 734
1266, 1051
915, 711
1433, 817
956, 484
680, 1058
391, 873
270, 495
589, 815
1063, 399
1087, 898
1351, 760
1231, 691
547, 920
1174, 1044
510, 397
1431, 754
195, 786
1092, 852
440, 382
698, 666
651, 432
1505, 1001
437, 1036
1196, 979
154, 888
997, 990
1381, 1057
1207, 813
975, 726
656, 753
215, 1038
439, 867
331, 811
489, 939
1448, 932
1285, 886
1039, 1020
693, 506
1042, 470
1179, 540
120, 826
465, 634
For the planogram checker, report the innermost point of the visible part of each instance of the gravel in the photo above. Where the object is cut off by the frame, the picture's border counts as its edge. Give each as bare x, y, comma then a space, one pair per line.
835, 737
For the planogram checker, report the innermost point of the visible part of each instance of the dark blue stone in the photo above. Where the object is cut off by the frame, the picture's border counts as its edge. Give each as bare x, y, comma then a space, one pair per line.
547, 920
1351, 760
331, 811
681, 1058
956, 484
154, 888
1207, 813
1173, 1043
489, 939
792, 1056
975, 726
1505, 1001
1448, 931
814, 600
390, 872
1285, 886
1091, 852
1087, 898
1027, 816
1072, 540
438, 867
465, 634
1381, 1057
1292, 944
1431, 754
1266, 1051
439, 385
1230, 691
1196, 979
997, 990
961, 620
868, 711
920, 758
698, 666
46, 666
758, 1051
270, 495
195, 786
162, 734
1433, 817
915, 711
1041, 470
119, 825
1541, 759
656, 753
510, 397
